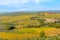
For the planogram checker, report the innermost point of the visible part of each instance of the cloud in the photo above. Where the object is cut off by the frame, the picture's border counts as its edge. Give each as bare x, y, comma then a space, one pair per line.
4, 2
18, 3
12, 2
24, 1
38, 0
7, 2
44, 0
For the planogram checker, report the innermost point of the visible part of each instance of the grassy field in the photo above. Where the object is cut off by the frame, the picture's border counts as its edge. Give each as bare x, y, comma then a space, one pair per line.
28, 33
32, 26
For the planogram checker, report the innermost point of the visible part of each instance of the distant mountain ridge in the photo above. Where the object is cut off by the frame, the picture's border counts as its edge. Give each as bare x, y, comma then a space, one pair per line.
29, 12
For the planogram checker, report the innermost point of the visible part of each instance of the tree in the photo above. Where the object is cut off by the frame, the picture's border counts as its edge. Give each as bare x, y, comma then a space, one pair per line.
41, 22
9, 26
42, 34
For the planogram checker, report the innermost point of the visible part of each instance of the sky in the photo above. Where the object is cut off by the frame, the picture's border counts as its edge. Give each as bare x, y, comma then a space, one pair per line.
28, 5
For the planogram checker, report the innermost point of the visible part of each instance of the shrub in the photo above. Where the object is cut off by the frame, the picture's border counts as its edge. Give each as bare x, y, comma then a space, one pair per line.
42, 34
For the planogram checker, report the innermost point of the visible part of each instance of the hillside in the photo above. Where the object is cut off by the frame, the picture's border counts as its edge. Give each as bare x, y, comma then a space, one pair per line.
22, 25
29, 19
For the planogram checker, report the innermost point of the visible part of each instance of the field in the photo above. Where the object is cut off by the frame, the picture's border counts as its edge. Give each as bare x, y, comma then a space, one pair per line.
28, 33
30, 26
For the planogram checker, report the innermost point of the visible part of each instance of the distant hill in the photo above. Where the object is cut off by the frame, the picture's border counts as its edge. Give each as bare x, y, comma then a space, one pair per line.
23, 13
17, 13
